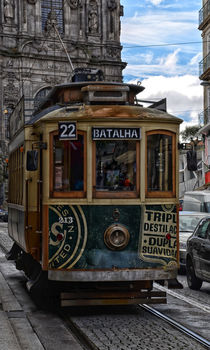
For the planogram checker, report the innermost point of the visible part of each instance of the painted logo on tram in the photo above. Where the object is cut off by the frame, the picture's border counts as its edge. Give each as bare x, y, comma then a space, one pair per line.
67, 236
159, 234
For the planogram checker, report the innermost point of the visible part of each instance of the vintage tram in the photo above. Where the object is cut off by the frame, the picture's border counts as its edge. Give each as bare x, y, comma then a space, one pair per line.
93, 195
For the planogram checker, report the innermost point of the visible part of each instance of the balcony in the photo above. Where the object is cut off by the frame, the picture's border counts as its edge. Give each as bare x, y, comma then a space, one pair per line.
204, 68
204, 117
204, 15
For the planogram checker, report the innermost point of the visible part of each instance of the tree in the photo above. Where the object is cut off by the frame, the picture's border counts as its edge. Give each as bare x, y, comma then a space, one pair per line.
190, 132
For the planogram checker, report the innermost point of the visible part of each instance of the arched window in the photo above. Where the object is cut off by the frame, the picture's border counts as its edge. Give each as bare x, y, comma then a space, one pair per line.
52, 12
40, 96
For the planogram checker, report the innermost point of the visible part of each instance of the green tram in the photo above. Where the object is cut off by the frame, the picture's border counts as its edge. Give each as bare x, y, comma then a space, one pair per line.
93, 195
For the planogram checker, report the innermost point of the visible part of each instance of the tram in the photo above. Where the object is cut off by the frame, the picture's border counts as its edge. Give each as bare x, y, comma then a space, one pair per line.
93, 195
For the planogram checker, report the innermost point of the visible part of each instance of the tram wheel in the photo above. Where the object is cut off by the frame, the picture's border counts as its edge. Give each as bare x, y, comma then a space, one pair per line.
192, 281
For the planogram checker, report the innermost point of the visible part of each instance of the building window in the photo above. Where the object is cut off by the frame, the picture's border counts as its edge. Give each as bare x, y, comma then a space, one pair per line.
160, 164
69, 167
116, 169
52, 12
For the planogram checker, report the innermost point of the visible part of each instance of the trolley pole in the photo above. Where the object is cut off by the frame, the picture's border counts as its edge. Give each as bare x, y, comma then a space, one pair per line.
62, 43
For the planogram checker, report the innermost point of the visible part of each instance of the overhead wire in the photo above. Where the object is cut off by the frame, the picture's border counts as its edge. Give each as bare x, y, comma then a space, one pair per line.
167, 44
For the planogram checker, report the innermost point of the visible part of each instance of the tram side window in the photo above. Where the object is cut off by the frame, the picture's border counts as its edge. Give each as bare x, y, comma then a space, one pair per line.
68, 165
160, 163
116, 166
16, 164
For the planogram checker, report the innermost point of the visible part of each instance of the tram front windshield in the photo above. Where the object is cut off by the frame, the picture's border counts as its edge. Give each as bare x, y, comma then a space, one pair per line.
69, 165
116, 165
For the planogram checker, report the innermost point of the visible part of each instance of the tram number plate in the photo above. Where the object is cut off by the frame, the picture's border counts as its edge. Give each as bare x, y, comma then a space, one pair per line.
67, 130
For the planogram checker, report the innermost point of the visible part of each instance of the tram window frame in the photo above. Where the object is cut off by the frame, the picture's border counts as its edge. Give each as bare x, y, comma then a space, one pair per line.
162, 193
74, 193
120, 194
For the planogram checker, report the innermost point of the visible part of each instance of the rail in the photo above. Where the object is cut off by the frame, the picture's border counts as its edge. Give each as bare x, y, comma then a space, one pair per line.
204, 12
178, 326
204, 64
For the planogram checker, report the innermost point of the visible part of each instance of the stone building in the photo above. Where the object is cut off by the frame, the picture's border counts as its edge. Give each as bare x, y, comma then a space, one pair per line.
33, 58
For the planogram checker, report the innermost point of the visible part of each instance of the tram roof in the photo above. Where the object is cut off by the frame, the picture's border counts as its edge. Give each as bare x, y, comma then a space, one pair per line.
105, 113
53, 95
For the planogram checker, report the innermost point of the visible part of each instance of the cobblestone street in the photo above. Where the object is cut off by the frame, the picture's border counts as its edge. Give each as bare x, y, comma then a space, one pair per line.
25, 327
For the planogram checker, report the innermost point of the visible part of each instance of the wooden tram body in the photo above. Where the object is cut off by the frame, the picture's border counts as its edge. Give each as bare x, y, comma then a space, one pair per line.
93, 195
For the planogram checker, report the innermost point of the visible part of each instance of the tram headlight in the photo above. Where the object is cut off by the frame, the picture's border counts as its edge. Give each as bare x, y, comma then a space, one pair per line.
116, 237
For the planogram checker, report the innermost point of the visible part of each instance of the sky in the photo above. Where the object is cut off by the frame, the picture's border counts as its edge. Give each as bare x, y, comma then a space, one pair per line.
148, 30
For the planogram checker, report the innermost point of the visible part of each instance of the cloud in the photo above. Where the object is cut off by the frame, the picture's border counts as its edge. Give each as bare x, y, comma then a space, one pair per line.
170, 62
165, 70
196, 59
156, 2
160, 27
184, 95
142, 66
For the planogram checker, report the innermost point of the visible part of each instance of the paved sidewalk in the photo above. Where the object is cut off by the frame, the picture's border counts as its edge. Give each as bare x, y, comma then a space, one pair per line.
16, 332
22, 325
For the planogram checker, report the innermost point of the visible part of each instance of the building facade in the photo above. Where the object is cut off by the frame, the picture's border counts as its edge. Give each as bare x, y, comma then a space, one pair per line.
41, 41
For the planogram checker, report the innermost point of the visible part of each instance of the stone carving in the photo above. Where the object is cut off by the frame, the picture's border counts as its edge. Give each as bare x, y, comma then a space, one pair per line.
35, 46
11, 92
93, 17
52, 80
32, 2
113, 53
112, 5
74, 3
10, 63
9, 10
51, 22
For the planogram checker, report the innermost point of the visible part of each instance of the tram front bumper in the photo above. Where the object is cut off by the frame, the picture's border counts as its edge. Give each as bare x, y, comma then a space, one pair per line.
114, 275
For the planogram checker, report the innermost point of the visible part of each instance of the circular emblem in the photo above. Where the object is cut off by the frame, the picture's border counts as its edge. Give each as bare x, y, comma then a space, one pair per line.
67, 236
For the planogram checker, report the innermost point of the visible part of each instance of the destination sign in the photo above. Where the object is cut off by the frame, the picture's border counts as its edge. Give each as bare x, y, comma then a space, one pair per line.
102, 133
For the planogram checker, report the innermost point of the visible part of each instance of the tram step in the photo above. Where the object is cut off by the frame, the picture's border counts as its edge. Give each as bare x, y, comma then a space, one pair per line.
111, 298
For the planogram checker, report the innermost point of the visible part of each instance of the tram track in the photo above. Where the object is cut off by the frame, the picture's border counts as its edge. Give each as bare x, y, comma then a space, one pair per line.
87, 327
89, 343
81, 337
188, 300
177, 325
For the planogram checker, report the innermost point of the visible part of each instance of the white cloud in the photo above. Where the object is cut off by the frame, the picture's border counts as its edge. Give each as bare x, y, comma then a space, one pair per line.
170, 62
163, 27
156, 2
165, 64
184, 95
196, 59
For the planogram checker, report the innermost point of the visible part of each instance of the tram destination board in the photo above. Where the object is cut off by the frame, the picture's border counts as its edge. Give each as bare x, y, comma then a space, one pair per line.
103, 133
67, 130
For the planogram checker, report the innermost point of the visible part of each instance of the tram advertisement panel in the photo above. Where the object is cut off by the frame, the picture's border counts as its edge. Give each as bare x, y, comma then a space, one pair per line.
159, 234
81, 237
